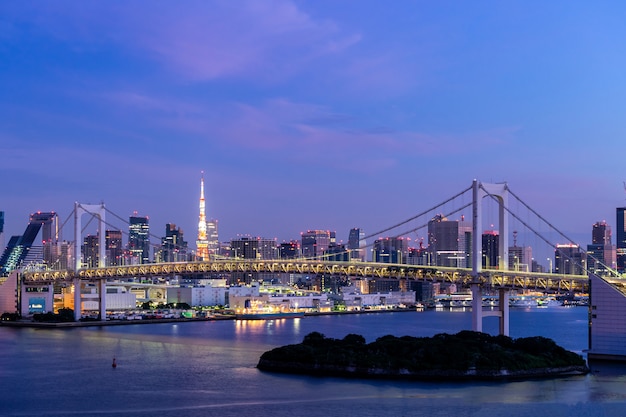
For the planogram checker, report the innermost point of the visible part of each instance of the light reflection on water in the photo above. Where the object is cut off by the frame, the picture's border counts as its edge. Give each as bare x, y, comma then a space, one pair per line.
208, 368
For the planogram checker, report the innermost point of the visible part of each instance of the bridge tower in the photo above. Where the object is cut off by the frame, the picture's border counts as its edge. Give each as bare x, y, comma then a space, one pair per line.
500, 193
97, 210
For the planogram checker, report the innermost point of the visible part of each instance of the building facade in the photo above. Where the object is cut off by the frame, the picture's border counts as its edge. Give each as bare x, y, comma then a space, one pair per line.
114, 247
569, 260
138, 240
449, 242
357, 244
316, 242
394, 250
620, 237
173, 245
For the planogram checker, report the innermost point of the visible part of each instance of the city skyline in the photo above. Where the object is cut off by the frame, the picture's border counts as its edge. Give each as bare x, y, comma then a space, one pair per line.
310, 116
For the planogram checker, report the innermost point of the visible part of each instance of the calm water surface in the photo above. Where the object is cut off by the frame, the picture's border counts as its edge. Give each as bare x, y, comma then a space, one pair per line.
208, 369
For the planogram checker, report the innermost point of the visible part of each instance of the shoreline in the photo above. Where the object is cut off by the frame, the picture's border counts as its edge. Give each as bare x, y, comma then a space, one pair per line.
99, 323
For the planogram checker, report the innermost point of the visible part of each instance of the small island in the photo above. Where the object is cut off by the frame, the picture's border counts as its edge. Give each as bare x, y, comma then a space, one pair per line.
466, 355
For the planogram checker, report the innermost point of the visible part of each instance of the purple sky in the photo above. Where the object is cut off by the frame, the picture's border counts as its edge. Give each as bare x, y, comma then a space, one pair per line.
310, 115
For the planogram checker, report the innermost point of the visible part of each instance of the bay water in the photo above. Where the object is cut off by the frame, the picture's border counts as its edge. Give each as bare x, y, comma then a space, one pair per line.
207, 368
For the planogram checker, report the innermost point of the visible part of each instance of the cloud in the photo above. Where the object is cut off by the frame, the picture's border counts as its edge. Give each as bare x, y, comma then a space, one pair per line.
305, 132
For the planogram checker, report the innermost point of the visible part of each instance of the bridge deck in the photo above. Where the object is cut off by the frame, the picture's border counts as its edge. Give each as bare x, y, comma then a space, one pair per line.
488, 278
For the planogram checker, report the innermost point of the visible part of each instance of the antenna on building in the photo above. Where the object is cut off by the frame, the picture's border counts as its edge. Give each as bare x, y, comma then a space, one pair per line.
625, 186
515, 238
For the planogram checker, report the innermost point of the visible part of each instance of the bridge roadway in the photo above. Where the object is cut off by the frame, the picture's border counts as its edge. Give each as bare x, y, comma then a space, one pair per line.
486, 279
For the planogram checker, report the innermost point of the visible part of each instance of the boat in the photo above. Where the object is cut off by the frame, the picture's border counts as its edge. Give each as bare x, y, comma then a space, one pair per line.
261, 315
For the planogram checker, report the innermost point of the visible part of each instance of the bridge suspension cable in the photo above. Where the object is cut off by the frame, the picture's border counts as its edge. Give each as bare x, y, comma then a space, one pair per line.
128, 234
540, 236
418, 215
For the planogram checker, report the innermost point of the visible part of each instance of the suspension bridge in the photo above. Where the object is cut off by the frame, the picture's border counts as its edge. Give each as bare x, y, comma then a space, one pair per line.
469, 270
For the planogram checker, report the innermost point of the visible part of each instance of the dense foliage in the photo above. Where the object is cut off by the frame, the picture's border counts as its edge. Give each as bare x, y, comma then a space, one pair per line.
63, 316
465, 351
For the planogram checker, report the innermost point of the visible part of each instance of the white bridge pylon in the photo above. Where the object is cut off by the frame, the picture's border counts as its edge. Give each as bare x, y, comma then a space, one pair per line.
501, 195
98, 211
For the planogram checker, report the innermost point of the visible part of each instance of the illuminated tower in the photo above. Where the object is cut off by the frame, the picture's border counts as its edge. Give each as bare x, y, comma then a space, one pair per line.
202, 244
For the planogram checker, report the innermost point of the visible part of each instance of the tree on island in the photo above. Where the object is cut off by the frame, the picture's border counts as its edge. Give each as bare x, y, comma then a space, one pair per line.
460, 355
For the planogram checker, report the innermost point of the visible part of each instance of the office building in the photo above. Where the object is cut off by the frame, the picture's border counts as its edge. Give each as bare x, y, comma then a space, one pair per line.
254, 248
357, 244
173, 245
569, 260
213, 242
138, 240
316, 242
620, 237
21, 249
601, 253
449, 242
90, 251
337, 253
1, 230
490, 249
289, 250
394, 250
114, 247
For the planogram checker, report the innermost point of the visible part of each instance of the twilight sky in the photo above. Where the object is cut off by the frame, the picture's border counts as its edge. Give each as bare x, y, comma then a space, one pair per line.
317, 114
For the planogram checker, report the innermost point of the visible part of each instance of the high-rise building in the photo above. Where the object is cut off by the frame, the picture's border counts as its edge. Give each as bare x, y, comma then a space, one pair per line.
202, 244
114, 247
21, 249
254, 248
620, 237
569, 260
50, 235
449, 242
601, 252
337, 253
521, 258
316, 242
1, 230
357, 244
289, 250
90, 251
601, 233
173, 245
490, 249
393, 250
213, 241
139, 240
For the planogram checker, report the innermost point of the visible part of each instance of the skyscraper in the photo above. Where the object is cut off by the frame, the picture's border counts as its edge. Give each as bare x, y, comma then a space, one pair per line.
490, 249
114, 248
394, 250
289, 250
202, 244
139, 240
601, 233
620, 236
1, 231
21, 249
356, 244
449, 242
315, 243
212, 237
601, 252
569, 260
90, 251
173, 245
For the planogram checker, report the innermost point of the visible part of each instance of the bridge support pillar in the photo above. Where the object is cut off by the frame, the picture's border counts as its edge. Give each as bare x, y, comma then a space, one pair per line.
77, 299
103, 302
503, 307
477, 307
